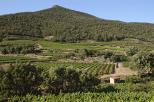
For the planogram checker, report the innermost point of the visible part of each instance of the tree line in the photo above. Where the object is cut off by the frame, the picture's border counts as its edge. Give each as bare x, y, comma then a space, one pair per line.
20, 49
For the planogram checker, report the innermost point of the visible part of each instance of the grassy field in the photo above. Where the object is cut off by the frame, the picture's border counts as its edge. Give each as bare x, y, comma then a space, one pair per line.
114, 45
13, 59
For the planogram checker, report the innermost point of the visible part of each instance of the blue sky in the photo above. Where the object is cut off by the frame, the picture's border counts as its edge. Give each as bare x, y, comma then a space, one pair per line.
124, 10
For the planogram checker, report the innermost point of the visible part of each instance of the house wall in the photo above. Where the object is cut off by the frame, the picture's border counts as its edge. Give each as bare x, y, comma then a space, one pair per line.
112, 81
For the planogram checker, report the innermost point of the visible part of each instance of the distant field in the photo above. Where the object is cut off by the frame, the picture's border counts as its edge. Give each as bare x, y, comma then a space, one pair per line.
55, 49
113, 45
17, 42
13, 59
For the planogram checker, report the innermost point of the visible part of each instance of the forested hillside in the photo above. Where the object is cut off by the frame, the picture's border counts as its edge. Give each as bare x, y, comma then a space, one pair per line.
70, 26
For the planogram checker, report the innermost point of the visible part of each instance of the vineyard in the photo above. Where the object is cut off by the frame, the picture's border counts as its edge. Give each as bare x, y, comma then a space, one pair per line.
63, 55
92, 68
83, 63
89, 97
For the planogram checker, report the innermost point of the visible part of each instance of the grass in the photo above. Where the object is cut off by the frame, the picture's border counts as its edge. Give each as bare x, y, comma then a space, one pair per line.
113, 45
16, 42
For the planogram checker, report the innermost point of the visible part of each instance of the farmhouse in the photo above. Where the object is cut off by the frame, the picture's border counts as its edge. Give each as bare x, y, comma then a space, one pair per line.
114, 79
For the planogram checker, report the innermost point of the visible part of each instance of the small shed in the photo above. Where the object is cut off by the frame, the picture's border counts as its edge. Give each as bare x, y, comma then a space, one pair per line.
114, 79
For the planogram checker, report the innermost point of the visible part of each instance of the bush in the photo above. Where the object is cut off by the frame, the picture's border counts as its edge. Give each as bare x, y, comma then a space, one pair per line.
22, 49
118, 58
108, 54
132, 51
20, 79
144, 61
88, 81
69, 80
90, 53
133, 79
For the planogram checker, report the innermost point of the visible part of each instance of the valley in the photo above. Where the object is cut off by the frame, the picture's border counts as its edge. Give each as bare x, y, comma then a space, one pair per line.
63, 55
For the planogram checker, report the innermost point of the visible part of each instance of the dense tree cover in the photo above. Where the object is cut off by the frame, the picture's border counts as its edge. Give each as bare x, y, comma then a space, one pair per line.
19, 49
70, 26
21, 79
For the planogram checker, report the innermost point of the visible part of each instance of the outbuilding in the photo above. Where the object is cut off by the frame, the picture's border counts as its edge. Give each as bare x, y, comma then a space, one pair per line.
114, 79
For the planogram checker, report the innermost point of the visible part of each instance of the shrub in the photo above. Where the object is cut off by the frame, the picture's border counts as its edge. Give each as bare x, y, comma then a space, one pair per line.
20, 79
133, 79
69, 80
132, 51
22, 49
144, 61
118, 58
108, 54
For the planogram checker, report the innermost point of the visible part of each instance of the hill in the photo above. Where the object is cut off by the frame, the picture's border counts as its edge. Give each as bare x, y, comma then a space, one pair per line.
67, 25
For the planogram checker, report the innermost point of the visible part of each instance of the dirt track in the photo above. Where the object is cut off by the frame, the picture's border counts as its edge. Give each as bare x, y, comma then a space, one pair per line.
121, 71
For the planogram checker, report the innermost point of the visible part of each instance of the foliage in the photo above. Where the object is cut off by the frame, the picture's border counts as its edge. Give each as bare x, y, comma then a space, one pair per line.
145, 62
69, 80
90, 53
14, 59
125, 92
19, 49
95, 69
118, 58
132, 51
134, 79
66, 25
20, 79
89, 97
135, 86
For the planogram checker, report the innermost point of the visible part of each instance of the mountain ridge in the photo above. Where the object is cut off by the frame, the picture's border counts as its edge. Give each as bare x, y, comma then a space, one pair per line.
58, 6
71, 26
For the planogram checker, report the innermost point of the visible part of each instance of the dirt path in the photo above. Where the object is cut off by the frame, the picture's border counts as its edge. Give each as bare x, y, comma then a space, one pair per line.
121, 71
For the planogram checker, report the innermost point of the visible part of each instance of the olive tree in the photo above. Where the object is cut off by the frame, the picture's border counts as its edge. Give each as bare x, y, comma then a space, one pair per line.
145, 62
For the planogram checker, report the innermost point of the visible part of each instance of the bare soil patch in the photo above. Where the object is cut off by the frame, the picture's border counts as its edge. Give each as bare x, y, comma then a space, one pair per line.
120, 71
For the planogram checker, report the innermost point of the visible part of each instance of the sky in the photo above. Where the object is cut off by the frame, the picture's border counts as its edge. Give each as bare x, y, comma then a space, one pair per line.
123, 10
